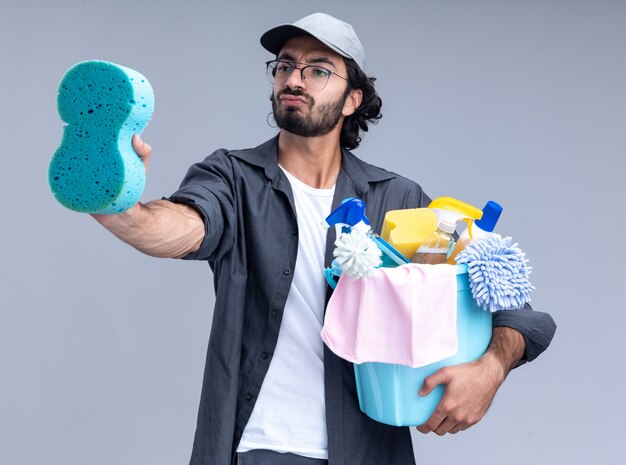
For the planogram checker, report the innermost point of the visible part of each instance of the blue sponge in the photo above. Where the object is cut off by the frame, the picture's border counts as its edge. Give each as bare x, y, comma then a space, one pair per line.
96, 170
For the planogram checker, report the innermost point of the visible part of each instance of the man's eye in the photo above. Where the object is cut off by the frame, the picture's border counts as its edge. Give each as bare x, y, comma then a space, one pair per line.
284, 68
319, 72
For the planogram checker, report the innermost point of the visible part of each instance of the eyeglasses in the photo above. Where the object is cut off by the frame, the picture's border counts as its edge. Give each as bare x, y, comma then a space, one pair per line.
315, 77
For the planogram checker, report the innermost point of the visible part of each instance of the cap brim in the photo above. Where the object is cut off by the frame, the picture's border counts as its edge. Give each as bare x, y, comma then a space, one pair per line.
274, 39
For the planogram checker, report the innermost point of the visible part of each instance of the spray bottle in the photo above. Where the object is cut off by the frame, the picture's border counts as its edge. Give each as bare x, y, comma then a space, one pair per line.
350, 215
436, 247
477, 229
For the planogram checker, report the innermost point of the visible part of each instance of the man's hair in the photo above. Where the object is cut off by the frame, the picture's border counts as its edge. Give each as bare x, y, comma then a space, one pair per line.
368, 111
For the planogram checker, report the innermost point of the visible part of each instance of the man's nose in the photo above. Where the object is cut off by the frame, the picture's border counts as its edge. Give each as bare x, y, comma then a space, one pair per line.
295, 79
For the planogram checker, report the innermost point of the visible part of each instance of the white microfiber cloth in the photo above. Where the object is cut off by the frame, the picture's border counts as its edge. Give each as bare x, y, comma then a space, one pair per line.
404, 315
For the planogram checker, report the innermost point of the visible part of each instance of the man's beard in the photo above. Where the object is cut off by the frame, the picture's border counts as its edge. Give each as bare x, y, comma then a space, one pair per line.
318, 122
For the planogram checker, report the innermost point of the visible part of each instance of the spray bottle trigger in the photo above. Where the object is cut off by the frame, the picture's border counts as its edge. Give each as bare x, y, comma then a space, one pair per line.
469, 222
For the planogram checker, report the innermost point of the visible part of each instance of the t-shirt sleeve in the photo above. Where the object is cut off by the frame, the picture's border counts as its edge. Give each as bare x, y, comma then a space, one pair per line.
208, 187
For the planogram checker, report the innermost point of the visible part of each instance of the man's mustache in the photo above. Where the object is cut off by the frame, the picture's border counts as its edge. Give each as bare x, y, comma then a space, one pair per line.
296, 93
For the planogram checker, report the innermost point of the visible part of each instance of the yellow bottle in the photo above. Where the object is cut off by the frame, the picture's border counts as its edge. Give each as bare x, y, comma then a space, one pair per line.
436, 247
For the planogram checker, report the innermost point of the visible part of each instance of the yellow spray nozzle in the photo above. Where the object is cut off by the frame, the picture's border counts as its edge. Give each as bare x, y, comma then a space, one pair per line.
457, 206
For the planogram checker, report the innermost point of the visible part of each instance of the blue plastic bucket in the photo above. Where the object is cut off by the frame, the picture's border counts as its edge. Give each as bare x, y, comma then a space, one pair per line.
388, 392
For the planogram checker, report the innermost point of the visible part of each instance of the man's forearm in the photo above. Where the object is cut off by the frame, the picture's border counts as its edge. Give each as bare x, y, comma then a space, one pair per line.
159, 228
507, 348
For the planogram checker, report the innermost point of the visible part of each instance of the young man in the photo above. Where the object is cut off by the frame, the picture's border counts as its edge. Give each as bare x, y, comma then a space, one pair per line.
272, 392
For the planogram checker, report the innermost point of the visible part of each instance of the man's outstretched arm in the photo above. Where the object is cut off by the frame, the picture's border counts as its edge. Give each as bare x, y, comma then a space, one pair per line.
159, 228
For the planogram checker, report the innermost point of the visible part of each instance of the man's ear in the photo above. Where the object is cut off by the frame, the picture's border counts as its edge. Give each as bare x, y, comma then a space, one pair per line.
353, 102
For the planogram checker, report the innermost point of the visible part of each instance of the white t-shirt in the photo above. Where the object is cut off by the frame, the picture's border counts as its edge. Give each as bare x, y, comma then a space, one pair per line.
289, 414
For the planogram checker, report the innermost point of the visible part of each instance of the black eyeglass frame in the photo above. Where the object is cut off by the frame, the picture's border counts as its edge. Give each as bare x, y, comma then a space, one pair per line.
268, 65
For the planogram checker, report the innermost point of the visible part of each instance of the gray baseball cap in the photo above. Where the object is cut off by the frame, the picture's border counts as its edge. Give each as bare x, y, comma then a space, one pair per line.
332, 32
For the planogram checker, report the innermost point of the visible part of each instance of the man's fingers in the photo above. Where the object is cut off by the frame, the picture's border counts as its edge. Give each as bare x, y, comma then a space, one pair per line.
446, 426
441, 376
442, 419
459, 427
435, 420
423, 429
142, 149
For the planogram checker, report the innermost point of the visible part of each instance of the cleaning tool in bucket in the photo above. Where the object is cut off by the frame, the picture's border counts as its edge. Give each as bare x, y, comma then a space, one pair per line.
436, 247
498, 273
406, 229
477, 229
358, 250
95, 169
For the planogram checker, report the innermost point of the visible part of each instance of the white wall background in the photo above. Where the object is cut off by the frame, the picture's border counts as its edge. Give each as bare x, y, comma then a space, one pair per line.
102, 349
